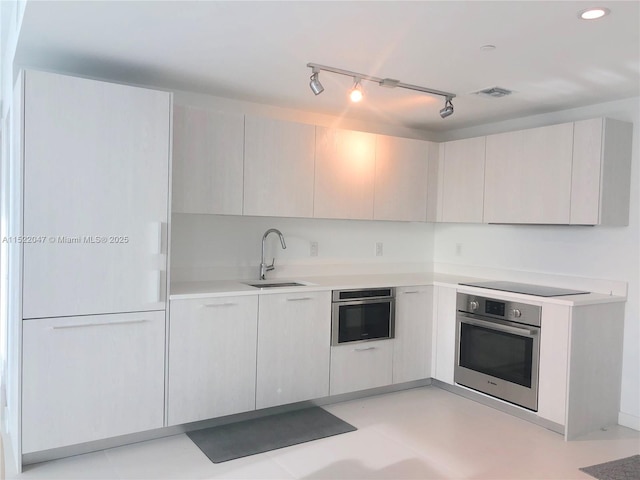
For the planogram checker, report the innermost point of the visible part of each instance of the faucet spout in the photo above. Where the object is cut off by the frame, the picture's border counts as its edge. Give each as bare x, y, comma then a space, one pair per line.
264, 268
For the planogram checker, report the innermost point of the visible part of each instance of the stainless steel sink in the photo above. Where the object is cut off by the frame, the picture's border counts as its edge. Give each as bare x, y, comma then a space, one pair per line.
275, 284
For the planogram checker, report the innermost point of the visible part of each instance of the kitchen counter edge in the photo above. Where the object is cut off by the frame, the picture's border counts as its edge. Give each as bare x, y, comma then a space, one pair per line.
228, 288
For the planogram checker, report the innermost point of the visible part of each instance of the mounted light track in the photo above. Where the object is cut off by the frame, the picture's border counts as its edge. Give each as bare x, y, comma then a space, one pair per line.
317, 88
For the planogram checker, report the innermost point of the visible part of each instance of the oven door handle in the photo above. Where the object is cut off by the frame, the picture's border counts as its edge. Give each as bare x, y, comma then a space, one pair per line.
501, 328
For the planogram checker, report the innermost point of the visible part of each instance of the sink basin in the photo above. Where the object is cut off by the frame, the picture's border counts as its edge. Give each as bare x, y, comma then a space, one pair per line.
275, 284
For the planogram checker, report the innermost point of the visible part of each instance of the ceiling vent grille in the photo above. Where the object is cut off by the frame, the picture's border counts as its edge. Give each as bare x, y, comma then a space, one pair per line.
494, 92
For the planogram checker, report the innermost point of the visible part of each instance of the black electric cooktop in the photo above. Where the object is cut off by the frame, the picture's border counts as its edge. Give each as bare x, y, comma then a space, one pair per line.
525, 288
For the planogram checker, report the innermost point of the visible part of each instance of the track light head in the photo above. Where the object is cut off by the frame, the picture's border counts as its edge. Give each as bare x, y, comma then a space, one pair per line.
315, 85
355, 94
448, 108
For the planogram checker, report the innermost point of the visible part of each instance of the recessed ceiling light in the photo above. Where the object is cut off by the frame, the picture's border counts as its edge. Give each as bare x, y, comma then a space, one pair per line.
593, 13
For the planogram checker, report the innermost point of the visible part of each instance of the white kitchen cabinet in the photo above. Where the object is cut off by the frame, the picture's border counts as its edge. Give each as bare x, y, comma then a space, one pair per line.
528, 176
554, 361
96, 174
461, 181
294, 336
212, 357
91, 377
401, 179
601, 174
344, 174
360, 366
208, 156
413, 333
444, 315
279, 158
581, 366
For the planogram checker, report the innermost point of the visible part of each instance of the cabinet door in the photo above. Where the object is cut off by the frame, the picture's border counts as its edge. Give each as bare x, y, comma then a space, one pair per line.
462, 181
91, 377
412, 349
279, 163
96, 176
344, 174
401, 179
212, 357
294, 337
359, 366
528, 176
445, 334
207, 161
554, 362
601, 172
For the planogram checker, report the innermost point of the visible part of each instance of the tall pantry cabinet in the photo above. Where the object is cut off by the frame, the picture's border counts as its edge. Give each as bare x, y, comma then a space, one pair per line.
95, 161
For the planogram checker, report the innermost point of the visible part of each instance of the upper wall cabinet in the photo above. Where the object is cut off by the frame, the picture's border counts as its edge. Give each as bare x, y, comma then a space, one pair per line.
401, 179
600, 179
572, 173
278, 168
344, 174
528, 176
461, 181
207, 161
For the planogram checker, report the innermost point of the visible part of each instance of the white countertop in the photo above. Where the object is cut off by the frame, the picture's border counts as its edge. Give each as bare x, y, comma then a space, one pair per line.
224, 288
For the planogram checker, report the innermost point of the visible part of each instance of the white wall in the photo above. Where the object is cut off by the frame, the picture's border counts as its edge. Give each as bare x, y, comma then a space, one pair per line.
213, 247
594, 252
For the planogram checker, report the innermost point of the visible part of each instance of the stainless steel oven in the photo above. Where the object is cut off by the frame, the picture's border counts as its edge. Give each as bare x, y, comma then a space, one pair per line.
498, 348
362, 315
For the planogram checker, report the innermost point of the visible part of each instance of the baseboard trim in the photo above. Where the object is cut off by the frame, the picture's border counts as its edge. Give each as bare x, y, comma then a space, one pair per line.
62, 452
628, 420
500, 405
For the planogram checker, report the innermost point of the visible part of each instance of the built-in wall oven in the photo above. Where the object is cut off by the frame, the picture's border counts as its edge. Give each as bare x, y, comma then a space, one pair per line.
361, 315
498, 348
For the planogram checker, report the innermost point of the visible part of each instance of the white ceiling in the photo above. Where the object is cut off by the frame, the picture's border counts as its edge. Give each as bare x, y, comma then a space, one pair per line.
258, 51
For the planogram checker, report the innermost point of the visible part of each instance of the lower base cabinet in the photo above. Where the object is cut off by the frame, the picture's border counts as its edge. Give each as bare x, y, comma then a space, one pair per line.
212, 358
412, 348
444, 322
294, 335
554, 361
359, 366
91, 377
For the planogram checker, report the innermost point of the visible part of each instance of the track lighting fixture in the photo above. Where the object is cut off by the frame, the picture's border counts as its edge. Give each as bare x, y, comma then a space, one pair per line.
448, 108
316, 86
356, 95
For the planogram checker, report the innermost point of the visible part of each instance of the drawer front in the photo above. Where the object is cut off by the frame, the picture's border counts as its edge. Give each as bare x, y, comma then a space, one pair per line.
361, 366
91, 377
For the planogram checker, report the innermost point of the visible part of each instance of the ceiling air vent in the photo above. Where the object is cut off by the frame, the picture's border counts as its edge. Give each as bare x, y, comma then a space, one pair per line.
494, 92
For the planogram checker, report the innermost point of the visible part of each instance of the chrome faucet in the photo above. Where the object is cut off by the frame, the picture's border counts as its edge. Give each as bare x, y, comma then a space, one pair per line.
264, 268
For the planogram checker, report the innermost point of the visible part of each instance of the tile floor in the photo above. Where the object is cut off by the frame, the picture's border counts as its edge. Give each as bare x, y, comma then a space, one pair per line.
423, 433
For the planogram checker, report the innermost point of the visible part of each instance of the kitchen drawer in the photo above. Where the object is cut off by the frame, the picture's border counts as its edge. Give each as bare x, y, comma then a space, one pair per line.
359, 366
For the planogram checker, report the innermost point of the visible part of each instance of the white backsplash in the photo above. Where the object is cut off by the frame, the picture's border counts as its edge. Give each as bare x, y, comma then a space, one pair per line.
219, 247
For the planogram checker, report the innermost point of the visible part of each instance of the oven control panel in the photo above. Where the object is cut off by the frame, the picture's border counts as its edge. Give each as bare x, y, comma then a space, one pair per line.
502, 309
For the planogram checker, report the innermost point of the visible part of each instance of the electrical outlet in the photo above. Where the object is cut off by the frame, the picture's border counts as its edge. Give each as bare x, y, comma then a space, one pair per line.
313, 249
458, 249
378, 249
